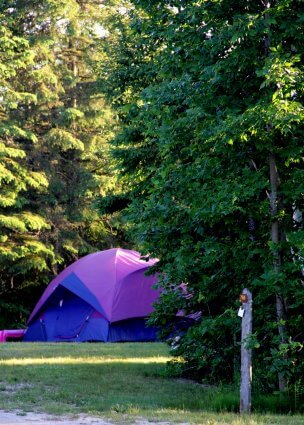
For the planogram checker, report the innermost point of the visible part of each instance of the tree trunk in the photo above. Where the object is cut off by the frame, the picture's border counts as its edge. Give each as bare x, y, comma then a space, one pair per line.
246, 356
275, 237
73, 67
275, 228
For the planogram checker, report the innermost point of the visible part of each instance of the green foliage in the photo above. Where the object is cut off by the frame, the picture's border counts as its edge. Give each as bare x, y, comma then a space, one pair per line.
58, 138
54, 130
21, 251
204, 105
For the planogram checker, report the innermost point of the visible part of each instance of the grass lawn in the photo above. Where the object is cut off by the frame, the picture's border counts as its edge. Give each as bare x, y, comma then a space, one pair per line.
117, 381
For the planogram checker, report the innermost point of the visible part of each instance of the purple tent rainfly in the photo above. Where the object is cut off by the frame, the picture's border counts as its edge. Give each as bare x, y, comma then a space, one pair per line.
104, 296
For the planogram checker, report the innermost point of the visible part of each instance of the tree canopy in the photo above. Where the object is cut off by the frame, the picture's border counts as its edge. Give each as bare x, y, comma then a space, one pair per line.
212, 150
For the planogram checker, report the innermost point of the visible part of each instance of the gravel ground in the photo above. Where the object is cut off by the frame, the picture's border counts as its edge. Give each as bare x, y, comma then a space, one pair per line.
13, 418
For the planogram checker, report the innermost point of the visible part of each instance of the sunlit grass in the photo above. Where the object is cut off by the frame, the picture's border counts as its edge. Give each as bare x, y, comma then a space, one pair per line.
82, 360
119, 381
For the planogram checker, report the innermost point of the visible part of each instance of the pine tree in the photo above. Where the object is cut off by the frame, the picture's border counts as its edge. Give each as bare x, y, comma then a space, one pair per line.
71, 119
70, 122
21, 250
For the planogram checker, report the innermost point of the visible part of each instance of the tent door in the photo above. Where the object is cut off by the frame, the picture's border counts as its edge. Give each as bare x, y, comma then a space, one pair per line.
73, 315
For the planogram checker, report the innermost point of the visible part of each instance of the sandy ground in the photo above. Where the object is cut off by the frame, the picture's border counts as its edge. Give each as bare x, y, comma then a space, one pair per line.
13, 418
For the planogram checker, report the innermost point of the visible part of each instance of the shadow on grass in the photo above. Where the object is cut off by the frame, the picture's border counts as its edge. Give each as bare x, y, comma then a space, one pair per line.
100, 386
130, 378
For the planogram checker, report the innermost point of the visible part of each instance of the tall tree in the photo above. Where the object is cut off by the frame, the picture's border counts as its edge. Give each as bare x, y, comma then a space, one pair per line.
71, 116
21, 250
216, 195
69, 120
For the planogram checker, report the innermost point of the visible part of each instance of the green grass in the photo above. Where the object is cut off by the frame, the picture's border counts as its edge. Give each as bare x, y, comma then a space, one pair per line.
120, 381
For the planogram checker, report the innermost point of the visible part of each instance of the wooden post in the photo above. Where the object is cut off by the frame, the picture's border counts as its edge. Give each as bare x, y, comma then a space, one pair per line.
246, 354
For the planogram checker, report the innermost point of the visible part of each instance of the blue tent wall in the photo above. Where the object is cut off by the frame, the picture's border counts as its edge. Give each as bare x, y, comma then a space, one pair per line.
67, 317
132, 330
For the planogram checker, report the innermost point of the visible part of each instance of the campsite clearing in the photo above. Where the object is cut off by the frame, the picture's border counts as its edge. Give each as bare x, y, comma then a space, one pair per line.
121, 383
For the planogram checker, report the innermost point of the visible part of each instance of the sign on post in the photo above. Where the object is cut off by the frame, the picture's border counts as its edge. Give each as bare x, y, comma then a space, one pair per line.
245, 312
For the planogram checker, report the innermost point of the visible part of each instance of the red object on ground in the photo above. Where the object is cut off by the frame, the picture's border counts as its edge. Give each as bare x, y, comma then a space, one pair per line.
8, 335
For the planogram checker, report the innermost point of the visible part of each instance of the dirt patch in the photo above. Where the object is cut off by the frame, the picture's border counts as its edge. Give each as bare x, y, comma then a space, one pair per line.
11, 389
21, 418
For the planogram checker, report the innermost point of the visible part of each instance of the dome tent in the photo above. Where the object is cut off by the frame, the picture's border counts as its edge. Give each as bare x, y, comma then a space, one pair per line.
104, 296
